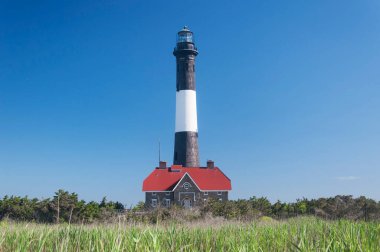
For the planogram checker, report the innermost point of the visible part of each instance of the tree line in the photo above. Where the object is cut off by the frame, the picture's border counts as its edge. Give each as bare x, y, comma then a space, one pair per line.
65, 207
338, 207
62, 207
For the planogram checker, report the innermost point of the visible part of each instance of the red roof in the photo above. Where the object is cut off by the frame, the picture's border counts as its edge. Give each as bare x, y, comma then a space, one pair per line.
205, 178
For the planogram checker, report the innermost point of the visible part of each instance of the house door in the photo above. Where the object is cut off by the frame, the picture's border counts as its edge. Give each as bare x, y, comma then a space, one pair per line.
187, 203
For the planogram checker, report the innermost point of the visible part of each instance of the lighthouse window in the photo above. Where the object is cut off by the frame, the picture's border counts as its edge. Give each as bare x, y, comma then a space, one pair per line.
185, 37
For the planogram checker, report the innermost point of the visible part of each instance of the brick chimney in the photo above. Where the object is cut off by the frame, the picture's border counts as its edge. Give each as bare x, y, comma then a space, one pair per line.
162, 165
210, 164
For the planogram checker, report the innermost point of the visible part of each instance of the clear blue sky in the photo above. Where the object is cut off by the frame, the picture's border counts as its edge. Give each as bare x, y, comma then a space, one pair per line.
288, 95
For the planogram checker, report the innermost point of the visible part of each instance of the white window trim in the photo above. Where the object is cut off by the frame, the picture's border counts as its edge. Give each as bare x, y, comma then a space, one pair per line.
167, 193
154, 202
205, 193
187, 185
167, 202
191, 203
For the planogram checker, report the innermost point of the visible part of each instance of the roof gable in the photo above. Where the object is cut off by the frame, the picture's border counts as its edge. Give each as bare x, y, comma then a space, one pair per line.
186, 175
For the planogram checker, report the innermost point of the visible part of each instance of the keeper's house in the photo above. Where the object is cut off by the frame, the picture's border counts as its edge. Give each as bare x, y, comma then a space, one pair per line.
185, 186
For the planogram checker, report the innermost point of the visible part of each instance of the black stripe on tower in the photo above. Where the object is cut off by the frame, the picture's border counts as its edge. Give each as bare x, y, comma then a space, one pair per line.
186, 149
185, 72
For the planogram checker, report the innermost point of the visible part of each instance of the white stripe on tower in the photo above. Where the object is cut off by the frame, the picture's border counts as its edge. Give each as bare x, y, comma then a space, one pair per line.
186, 111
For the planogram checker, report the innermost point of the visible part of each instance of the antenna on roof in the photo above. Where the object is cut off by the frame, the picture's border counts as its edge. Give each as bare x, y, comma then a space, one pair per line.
159, 151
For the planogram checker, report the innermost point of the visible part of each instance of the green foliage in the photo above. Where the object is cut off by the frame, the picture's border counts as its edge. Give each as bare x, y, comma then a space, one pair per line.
64, 207
261, 204
298, 234
331, 208
139, 207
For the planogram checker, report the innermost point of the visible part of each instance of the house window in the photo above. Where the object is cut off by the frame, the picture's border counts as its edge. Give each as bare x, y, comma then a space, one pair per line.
167, 193
154, 193
186, 185
167, 202
154, 202
219, 193
205, 193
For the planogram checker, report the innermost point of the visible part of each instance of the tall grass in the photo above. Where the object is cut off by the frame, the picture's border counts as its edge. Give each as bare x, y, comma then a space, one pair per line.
304, 234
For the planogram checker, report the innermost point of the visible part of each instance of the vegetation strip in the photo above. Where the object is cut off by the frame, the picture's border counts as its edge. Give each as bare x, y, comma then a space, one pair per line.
302, 234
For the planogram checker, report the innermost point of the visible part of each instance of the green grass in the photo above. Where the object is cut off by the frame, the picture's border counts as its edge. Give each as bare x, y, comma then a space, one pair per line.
303, 234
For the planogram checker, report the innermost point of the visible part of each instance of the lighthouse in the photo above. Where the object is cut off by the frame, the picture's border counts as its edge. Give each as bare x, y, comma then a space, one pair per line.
186, 151
185, 183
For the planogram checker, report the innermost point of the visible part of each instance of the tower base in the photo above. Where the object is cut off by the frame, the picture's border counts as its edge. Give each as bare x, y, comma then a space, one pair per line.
186, 149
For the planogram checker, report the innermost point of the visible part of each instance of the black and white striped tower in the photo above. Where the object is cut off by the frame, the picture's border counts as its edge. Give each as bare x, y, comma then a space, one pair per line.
186, 125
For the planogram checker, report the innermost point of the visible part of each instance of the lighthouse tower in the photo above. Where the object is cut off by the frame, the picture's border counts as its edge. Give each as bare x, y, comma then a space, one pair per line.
185, 183
186, 125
